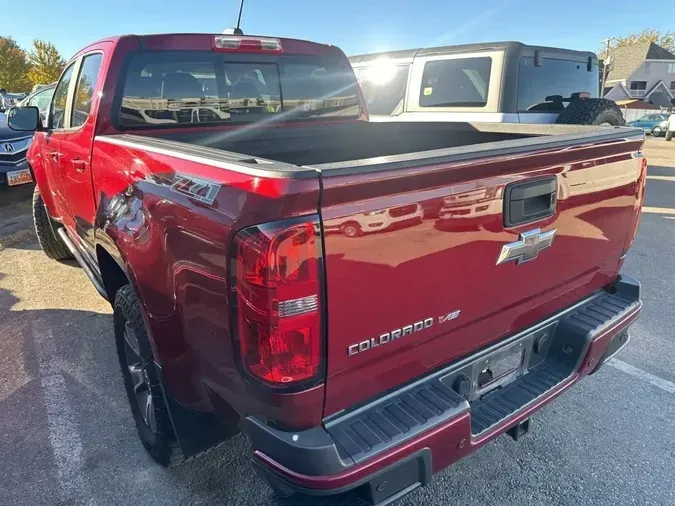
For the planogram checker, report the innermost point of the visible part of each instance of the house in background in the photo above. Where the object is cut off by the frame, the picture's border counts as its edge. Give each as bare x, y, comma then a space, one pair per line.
643, 71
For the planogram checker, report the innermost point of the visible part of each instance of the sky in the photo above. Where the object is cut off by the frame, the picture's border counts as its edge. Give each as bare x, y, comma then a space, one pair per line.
356, 26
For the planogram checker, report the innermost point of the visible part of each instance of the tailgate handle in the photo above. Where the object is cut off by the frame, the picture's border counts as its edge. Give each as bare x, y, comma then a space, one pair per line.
529, 201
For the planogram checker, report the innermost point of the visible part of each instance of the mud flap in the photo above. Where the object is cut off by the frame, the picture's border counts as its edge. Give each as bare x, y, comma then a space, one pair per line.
196, 433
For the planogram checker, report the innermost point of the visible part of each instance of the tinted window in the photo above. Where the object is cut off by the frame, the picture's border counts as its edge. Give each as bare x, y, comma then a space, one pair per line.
198, 87
554, 77
84, 93
384, 88
60, 98
460, 82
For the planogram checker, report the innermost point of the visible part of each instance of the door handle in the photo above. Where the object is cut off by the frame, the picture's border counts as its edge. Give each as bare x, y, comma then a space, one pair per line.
529, 201
79, 165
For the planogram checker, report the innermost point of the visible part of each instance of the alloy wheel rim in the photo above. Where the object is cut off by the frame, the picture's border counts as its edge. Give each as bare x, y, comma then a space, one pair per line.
140, 380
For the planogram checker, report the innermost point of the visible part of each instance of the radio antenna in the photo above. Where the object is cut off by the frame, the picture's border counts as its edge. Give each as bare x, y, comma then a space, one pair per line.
241, 8
237, 30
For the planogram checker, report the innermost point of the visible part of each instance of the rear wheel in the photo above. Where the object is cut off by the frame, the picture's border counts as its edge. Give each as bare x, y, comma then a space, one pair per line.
45, 230
592, 111
141, 381
669, 135
657, 131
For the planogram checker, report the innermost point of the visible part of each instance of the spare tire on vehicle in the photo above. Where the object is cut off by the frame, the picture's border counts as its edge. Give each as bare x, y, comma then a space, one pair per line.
592, 111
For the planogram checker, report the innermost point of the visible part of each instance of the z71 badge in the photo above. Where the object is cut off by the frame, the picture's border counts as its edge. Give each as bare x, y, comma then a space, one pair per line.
198, 189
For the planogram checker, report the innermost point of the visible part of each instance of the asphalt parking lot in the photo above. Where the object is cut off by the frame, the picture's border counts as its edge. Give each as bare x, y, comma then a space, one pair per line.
67, 436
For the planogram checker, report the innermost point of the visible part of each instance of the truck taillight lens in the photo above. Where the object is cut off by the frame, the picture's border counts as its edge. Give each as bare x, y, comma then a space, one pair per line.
276, 301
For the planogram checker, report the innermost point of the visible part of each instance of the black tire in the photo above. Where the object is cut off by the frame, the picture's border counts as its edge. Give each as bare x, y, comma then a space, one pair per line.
669, 135
657, 131
156, 433
352, 229
45, 229
592, 111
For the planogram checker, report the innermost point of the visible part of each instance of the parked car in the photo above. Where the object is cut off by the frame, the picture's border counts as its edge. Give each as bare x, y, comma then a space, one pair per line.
655, 124
40, 99
8, 100
505, 82
367, 363
14, 145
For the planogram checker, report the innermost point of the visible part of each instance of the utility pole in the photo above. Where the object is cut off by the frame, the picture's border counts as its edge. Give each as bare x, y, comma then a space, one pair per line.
605, 65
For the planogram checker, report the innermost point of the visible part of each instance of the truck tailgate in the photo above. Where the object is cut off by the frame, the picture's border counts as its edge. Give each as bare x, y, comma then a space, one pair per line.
411, 254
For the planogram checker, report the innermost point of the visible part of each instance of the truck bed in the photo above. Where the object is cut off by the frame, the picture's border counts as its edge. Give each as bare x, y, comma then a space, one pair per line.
364, 144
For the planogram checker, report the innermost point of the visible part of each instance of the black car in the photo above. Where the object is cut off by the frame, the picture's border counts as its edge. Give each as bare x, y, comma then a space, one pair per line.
13, 147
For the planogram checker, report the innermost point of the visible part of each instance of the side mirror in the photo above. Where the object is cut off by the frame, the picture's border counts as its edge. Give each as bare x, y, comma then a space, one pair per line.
24, 119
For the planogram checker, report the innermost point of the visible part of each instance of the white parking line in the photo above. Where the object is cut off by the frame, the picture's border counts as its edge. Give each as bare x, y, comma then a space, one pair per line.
63, 433
663, 384
658, 210
662, 178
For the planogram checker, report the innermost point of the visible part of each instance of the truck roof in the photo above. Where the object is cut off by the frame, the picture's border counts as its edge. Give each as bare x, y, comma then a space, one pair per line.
204, 42
409, 54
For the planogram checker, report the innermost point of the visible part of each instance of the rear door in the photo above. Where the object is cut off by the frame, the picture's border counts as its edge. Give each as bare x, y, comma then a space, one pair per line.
409, 297
76, 143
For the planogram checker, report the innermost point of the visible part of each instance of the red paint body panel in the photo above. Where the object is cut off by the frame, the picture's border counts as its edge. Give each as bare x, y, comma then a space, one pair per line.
394, 277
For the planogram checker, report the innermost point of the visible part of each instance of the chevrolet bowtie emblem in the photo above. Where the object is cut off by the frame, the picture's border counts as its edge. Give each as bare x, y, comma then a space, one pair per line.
527, 248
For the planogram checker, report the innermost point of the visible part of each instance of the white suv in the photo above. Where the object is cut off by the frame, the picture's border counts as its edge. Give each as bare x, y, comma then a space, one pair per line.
503, 82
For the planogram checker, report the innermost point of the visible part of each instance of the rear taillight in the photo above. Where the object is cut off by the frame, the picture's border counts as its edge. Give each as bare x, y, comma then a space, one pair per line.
247, 44
276, 302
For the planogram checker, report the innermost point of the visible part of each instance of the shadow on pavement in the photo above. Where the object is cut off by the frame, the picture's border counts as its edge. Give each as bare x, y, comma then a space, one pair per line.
15, 195
16, 221
63, 406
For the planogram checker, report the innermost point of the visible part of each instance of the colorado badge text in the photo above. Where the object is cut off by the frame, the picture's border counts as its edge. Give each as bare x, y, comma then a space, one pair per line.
374, 342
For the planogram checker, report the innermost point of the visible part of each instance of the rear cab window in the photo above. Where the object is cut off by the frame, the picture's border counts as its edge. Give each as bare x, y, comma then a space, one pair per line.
553, 77
164, 88
457, 82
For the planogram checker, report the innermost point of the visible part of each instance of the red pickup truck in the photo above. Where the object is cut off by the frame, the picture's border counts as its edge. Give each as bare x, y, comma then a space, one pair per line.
367, 302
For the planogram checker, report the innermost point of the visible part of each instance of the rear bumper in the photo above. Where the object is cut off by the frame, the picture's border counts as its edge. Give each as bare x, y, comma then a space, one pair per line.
395, 443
